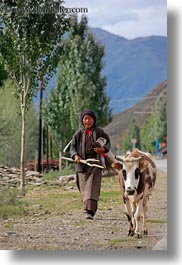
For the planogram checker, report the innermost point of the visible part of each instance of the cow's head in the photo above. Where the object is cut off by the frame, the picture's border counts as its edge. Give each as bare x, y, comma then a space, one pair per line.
131, 169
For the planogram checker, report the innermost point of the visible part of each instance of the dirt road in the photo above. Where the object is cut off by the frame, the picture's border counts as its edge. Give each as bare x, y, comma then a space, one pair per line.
70, 231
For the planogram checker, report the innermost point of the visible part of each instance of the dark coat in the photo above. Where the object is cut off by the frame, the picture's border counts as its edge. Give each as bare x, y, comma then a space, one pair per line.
77, 146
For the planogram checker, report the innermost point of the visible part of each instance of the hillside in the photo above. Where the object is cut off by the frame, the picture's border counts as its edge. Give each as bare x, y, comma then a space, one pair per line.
132, 67
117, 128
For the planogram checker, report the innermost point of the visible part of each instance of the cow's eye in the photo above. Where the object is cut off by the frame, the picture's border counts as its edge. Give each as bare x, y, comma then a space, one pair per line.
137, 173
124, 174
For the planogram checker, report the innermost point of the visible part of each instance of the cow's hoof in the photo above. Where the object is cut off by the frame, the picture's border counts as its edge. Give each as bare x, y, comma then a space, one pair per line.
145, 232
130, 233
138, 235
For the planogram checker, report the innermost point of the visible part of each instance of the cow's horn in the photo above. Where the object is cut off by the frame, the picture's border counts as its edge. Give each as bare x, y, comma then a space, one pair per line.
119, 158
132, 159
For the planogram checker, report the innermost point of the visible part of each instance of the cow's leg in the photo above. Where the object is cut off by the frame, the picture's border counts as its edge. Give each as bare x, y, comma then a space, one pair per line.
127, 207
137, 218
133, 214
144, 225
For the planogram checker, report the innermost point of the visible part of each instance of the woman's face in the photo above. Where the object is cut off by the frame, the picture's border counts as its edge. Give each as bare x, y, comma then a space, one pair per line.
88, 121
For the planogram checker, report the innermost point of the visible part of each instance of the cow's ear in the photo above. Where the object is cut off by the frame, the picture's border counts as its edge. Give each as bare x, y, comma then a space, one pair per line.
117, 165
143, 165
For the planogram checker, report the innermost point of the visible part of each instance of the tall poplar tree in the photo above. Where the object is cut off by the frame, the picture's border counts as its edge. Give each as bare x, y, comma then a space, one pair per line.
161, 118
29, 45
147, 134
10, 128
80, 84
155, 126
131, 134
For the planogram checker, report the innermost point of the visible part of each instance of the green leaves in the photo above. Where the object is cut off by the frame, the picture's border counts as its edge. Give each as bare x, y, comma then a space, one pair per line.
10, 128
155, 126
29, 42
161, 118
3, 75
79, 83
132, 133
29, 47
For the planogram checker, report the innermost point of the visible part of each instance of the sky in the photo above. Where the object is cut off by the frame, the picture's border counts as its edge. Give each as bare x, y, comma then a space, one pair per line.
126, 18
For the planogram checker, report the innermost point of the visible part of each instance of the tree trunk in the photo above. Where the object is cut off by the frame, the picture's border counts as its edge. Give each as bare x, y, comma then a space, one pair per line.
47, 148
60, 157
39, 166
51, 152
22, 159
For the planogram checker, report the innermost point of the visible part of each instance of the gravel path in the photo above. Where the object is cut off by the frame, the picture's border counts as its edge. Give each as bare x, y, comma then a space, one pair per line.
70, 231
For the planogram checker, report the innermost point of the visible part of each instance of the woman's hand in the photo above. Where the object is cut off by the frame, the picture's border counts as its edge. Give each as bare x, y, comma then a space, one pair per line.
99, 150
77, 158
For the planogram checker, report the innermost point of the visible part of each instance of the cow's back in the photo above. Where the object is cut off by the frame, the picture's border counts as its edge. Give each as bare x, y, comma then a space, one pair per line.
150, 173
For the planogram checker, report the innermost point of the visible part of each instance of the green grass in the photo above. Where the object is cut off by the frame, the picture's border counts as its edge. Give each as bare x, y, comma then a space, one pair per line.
53, 175
156, 221
128, 242
56, 200
109, 198
53, 199
7, 211
11, 203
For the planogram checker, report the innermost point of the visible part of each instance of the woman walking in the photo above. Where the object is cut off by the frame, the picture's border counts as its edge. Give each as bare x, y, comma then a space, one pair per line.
83, 146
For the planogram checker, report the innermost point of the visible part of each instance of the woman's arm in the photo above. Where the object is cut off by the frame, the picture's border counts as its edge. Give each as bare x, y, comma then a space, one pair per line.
73, 148
107, 146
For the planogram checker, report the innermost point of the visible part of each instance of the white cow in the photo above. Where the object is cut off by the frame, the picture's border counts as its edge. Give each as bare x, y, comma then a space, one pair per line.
137, 176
